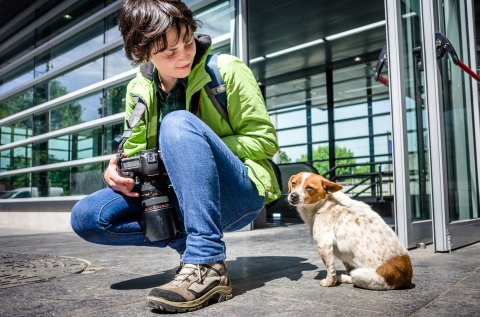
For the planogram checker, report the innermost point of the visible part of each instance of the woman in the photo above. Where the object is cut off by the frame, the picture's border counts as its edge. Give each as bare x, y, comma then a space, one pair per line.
218, 169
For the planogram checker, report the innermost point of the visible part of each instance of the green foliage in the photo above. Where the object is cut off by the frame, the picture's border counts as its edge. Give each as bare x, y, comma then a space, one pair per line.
321, 156
284, 158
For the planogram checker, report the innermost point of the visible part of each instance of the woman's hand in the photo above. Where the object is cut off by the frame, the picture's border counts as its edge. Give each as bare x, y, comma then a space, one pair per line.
117, 182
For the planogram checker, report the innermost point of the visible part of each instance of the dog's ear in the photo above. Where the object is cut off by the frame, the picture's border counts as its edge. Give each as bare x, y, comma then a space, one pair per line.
331, 187
290, 182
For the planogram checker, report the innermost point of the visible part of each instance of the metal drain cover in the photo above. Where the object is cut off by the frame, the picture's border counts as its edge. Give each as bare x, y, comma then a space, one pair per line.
20, 269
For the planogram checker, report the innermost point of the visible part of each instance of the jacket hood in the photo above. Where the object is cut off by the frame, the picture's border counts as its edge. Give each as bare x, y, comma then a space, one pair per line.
202, 42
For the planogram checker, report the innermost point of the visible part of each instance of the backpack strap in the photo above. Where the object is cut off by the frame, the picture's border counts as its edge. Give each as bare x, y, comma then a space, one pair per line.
137, 114
215, 89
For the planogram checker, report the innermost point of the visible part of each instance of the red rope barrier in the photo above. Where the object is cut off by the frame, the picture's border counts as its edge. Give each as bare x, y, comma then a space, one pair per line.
468, 70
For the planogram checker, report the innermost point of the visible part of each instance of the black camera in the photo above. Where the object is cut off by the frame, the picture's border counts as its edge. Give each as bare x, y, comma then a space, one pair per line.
159, 220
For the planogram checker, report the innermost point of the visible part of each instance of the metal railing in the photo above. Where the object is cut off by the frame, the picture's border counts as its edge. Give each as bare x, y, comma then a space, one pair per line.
375, 185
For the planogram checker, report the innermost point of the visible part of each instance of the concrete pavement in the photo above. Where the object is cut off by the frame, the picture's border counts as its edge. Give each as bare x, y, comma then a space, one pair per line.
275, 272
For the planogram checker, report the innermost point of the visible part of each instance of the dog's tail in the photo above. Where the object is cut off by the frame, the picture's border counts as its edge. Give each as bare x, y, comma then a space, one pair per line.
368, 278
396, 273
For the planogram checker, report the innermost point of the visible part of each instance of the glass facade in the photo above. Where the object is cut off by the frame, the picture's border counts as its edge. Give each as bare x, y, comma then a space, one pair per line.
77, 49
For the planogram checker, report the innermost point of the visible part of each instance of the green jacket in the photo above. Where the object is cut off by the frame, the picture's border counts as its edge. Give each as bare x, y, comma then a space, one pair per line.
250, 135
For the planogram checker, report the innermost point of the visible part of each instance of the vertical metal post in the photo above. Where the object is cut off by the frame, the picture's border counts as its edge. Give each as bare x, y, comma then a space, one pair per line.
438, 168
332, 162
399, 121
241, 31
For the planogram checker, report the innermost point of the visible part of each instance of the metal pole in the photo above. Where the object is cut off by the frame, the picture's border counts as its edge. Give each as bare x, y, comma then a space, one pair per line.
399, 121
242, 31
438, 167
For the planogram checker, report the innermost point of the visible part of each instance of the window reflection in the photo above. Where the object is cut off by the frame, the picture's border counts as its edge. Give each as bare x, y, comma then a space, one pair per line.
215, 21
116, 63
113, 137
76, 112
16, 158
81, 77
16, 131
16, 104
114, 101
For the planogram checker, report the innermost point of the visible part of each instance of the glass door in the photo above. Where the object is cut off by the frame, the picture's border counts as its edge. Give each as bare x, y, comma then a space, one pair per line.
458, 98
409, 122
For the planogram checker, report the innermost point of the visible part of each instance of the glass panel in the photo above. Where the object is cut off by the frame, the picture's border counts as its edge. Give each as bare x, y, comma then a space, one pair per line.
16, 131
80, 77
291, 119
17, 186
15, 80
293, 154
85, 144
458, 114
320, 133
16, 104
113, 136
319, 115
69, 17
78, 46
215, 21
352, 148
114, 101
350, 111
16, 158
351, 128
292, 137
86, 179
116, 63
79, 180
112, 33
416, 112
82, 110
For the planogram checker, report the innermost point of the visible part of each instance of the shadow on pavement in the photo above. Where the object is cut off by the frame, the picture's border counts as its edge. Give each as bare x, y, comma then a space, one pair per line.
247, 273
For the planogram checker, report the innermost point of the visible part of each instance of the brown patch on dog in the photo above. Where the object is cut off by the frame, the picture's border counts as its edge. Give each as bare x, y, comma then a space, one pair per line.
316, 188
397, 271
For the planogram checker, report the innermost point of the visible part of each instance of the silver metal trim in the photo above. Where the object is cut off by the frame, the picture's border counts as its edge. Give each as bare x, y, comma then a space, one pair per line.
241, 31
202, 4
438, 168
57, 165
399, 121
221, 40
76, 128
62, 37
56, 72
112, 81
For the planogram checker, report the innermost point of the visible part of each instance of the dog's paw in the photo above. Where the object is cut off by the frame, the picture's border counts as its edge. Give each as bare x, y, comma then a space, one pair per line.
344, 278
328, 282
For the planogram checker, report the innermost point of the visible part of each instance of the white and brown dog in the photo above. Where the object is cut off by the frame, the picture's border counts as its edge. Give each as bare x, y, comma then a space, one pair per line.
370, 250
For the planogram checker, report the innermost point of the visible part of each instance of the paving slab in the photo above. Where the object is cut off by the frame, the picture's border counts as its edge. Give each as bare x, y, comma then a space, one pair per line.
274, 271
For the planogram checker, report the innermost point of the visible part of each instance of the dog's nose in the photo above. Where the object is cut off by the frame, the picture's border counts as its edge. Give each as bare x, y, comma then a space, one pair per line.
293, 198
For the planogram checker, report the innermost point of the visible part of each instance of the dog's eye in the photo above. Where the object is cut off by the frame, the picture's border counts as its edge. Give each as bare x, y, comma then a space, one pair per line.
294, 184
309, 188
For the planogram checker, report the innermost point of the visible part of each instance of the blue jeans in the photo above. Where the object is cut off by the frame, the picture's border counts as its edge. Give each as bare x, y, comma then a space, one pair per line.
214, 194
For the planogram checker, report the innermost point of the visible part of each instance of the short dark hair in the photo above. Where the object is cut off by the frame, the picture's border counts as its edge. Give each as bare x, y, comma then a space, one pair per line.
144, 25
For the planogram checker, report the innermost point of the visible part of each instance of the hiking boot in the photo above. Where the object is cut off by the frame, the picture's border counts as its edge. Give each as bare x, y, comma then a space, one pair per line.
194, 287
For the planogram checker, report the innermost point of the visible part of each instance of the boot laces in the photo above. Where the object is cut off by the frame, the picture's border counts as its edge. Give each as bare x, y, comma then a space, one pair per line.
186, 271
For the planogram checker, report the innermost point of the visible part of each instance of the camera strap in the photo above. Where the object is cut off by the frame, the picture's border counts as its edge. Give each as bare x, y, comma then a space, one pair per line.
140, 107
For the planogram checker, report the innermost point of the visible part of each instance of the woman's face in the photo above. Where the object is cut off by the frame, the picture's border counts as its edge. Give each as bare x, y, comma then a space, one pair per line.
175, 61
